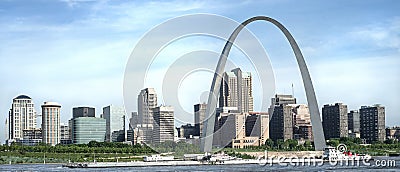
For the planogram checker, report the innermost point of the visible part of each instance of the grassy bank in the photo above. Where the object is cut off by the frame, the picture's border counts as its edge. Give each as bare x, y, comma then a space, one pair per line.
39, 157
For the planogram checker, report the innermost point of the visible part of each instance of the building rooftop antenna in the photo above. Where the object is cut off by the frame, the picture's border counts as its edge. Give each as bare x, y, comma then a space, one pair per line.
293, 90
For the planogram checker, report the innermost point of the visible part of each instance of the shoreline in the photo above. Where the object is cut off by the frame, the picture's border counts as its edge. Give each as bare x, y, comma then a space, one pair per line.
253, 161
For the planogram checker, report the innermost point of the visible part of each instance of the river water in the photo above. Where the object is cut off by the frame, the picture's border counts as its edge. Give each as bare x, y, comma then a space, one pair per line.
379, 164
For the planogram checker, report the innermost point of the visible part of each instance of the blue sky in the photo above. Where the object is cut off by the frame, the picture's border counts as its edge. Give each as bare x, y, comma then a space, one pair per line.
75, 52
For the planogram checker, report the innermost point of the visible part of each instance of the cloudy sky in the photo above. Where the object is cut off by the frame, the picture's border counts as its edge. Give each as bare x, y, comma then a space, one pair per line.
75, 51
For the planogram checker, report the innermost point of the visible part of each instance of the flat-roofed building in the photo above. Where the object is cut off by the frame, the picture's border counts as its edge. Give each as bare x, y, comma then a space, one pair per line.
115, 123
372, 123
335, 120
86, 129
199, 117
164, 126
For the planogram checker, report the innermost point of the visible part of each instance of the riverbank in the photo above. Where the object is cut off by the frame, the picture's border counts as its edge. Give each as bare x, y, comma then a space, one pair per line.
40, 158
286, 153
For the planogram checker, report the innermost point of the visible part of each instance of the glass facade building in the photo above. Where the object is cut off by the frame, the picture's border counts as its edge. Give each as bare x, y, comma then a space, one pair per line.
115, 123
86, 129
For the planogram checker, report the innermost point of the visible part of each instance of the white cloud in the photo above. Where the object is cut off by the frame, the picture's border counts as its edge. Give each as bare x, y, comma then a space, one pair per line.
385, 34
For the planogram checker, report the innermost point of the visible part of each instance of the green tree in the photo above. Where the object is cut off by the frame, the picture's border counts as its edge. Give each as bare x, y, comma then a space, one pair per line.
333, 142
357, 140
279, 144
269, 143
291, 143
307, 144
389, 141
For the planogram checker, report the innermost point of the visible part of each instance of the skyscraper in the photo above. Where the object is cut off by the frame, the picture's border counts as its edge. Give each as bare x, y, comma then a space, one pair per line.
164, 126
51, 123
372, 123
199, 117
334, 120
22, 115
147, 100
115, 123
281, 123
236, 90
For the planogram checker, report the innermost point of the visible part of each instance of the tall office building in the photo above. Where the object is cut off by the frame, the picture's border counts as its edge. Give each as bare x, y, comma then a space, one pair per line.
354, 121
334, 120
281, 123
199, 117
147, 101
83, 112
236, 90
51, 123
281, 118
86, 129
372, 123
22, 115
115, 123
164, 127
280, 99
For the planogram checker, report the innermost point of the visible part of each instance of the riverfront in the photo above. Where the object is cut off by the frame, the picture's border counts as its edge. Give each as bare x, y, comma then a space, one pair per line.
243, 167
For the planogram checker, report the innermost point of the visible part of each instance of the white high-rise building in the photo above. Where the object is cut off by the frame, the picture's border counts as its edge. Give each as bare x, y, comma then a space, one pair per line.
147, 100
51, 133
22, 115
236, 90
115, 123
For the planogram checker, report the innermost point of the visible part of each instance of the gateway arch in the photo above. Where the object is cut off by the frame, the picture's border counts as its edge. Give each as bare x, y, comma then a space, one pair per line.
208, 130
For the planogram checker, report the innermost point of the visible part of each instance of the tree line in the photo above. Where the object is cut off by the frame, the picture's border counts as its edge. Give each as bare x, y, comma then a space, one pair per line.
91, 147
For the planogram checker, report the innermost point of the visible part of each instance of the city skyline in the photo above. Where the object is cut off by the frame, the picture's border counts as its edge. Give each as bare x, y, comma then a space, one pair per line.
355, 63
